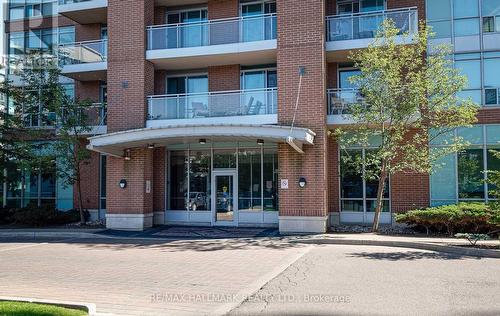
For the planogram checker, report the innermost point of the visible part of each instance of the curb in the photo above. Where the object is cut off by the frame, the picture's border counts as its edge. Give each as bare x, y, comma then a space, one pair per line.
470, 252
88, 307
41, 234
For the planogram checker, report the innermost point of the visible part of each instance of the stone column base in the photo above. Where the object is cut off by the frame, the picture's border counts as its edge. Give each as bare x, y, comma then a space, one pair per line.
135, 222
159, 218
303, 224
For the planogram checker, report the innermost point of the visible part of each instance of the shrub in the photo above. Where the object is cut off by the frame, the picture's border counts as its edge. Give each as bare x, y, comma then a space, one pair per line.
463, 217
43, 216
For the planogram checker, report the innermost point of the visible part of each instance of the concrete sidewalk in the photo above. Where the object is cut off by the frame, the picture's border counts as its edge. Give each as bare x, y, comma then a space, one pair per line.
449, 245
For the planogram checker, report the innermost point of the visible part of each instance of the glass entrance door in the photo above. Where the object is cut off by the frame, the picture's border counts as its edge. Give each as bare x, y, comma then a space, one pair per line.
224, 199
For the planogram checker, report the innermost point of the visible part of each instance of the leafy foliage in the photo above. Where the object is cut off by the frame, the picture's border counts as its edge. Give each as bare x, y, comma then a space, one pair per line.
409, 100
464, 217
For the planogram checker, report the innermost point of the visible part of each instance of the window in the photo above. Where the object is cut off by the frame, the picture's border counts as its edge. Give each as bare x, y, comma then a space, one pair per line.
461, 176
467, 27
20, 9
358, 191
31, 187
471, 69
46, 40
489, 24
438, 10
102, 182
441, 28
191, 172
345, 75
187, 35
491, 73
491, 96
465, 8
256, 28
470, 174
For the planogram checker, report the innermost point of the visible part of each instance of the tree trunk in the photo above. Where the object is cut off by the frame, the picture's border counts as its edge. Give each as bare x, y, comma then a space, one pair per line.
380, 201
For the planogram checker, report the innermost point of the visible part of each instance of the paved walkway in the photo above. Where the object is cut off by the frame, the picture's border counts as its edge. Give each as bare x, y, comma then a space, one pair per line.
367, 280
145, 277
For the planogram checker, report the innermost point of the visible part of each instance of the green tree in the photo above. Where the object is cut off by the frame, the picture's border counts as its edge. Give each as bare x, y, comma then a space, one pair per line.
409, 100
43, 97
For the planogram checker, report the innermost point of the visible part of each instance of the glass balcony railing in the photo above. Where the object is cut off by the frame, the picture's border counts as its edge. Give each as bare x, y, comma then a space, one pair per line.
83, 52
340, 100
96, 115
365, 25
212, 32
213, 104
62, 2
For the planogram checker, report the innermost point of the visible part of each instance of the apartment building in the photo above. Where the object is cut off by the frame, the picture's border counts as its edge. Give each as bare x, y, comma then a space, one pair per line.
218, 111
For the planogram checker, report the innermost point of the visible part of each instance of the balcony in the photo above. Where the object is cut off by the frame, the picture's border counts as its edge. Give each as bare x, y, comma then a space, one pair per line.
229, 107
339, 102
96, 116
240, 40
85, 11
356, 31
84, 61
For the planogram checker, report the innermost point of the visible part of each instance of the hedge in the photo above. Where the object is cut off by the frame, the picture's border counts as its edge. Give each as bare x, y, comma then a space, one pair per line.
462, 217
39, 216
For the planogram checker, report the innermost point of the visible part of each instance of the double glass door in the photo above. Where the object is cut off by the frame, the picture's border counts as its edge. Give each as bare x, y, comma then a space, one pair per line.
224, 198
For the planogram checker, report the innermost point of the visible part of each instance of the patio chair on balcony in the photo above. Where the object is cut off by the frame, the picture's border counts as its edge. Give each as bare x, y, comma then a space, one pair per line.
255, 110
200, 110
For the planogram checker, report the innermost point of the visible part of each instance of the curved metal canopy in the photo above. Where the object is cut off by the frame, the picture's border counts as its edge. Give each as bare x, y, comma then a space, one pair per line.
115, 143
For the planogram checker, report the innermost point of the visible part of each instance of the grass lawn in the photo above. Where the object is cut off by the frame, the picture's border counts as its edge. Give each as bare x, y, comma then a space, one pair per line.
32, 309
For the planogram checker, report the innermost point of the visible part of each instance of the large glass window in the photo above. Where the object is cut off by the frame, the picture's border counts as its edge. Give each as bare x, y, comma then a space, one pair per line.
358, 190
470, 174
466, 27
191, 172
199, 180
462, 176
255, 28
492, 73
178, 180
438, 10
345, 75
465, 8
471, 69
250, 180
188, 35
20, 9
35, 187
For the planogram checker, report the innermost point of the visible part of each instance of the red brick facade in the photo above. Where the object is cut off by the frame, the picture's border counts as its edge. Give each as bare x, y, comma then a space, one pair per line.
221, 9
301, 44
224, 78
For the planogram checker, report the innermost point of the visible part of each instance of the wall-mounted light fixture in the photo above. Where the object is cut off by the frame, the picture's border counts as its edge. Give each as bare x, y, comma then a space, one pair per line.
202, 141
302, 182
260, 142
122, 184
126, 154
151, 146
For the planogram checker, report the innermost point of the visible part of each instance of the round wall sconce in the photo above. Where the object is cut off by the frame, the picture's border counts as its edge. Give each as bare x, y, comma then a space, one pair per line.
127, 155
123, 183
302, 182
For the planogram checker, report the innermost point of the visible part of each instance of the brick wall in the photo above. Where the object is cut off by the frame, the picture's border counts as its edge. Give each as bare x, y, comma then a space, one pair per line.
488, 116
89, 182
160, 81
130, 80
130, 76
159, 177
133, 199
87, 90
301, 43
330, 7
332, 75
224, 78
160, 17
220, 9
88, 32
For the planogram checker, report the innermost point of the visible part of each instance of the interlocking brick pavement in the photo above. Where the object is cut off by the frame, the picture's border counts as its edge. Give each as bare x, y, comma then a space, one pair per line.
132, 277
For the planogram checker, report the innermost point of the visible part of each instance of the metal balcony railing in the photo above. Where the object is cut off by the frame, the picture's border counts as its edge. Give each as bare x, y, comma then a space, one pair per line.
83, 52
212, 32
213, 104
96, 115
365, 25
339, 100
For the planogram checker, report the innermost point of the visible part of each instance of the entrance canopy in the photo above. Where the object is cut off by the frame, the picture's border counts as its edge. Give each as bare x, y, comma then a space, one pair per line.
115, 143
